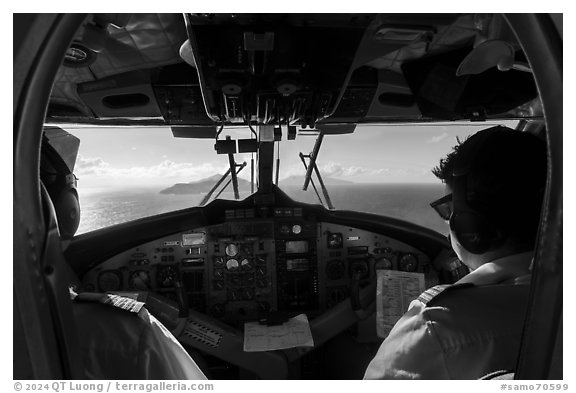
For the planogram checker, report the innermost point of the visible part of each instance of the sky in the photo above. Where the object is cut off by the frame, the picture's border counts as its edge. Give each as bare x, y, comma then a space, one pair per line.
115, 158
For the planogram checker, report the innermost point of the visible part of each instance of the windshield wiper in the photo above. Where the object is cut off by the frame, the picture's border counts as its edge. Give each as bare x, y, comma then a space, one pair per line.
312, 167
234, 170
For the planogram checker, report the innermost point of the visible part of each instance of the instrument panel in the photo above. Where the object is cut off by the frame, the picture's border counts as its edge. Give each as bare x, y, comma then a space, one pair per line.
250, 268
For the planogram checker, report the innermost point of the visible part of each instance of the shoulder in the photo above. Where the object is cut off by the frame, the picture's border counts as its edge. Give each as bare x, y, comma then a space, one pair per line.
439, 291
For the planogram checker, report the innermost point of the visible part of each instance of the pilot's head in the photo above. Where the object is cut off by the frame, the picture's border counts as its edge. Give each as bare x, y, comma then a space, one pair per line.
495, 183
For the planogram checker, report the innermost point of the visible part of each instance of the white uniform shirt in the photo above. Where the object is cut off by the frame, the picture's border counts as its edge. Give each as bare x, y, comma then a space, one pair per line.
465, 334
118, 344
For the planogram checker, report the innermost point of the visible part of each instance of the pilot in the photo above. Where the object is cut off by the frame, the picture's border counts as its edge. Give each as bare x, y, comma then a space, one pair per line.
495, 183
120, 339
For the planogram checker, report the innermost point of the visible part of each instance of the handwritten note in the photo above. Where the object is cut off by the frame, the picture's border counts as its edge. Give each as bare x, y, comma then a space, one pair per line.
293, 333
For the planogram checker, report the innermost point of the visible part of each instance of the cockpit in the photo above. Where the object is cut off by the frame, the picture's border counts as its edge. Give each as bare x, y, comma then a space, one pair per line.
276, 215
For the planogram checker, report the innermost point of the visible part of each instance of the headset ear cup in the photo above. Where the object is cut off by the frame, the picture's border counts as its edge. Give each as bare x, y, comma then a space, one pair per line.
67, 208
472, 231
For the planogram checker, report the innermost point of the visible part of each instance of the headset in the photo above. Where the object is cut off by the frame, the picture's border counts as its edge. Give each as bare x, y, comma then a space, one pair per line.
61, 185
473, 229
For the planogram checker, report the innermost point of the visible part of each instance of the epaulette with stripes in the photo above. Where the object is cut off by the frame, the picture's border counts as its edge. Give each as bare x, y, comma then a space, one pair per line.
121, 302
431, 293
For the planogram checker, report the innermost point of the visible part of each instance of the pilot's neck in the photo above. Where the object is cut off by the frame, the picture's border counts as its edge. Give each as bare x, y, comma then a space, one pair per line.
502, 268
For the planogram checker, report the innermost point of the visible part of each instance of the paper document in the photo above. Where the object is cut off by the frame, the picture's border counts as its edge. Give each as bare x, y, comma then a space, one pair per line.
293, 333
394, 292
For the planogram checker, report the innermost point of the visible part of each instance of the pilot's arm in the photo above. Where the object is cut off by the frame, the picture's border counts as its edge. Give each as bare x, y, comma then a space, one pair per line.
118, 344
161, 356
457, 332
411, 350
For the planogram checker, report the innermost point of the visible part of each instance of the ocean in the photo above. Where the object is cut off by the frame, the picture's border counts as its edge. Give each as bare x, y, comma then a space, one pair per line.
409, 202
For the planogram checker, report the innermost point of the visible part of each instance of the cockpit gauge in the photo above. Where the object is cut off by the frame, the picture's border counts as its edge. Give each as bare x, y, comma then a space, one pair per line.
231, 250
139, 280
232, 265
296, 229
219, 274
263, 307
246, 264
383, 263
408, 263
218, 310
219, 262
248, 293
167, 275
109, 280
334, 240
234, 295
359, 269
335, 269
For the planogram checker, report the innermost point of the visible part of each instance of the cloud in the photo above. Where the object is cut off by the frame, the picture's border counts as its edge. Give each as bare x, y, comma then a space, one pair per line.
96, 166
333, 169
360, 173
437, 138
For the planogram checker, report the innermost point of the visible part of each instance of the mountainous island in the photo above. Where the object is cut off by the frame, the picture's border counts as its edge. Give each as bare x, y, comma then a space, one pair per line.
205, 185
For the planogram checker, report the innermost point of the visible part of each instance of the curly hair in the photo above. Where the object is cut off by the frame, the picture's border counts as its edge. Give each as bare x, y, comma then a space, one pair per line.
445, 169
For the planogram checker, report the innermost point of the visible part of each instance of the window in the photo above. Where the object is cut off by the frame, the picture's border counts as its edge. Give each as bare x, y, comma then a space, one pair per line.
127, 174
132, 173
381, 169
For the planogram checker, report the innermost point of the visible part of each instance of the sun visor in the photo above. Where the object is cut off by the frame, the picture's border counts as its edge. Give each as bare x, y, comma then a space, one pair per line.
124, 95
441, 94
336, 129
197, 132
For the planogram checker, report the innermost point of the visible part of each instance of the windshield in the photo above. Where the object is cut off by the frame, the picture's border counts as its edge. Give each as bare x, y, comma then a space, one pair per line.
133, 173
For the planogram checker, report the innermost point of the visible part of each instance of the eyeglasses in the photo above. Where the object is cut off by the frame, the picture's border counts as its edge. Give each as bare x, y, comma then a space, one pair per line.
443, 206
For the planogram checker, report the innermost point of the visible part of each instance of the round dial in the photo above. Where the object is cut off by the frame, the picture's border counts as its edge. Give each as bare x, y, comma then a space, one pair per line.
296, 229
263, 307
167, 276
231, 250
335, 240
408, 263
246, 264
218, 310
335, 269
219, 274
383, 263
219, 262
359, 269
232, 265
248, 293
110, 280
139, 280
